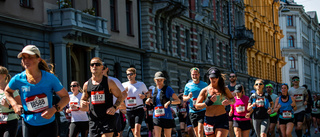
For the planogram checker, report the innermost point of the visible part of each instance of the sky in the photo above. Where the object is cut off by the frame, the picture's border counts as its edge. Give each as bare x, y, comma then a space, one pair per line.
310, 5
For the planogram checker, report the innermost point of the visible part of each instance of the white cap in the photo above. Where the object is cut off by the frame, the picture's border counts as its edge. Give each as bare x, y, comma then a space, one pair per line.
31, 50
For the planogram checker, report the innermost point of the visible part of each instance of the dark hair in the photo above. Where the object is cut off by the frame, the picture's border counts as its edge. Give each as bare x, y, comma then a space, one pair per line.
294, 77
221, 83
305, 86
285, 85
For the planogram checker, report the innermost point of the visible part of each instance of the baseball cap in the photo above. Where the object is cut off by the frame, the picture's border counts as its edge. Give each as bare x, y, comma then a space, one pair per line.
29, 49
238, 88
269, 85
159, 75
214, 72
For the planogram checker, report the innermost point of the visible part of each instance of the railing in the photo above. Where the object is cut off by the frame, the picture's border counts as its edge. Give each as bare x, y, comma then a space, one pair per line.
71, 17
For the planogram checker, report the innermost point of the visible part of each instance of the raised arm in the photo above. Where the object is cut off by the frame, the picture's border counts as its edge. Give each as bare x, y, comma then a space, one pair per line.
84, 98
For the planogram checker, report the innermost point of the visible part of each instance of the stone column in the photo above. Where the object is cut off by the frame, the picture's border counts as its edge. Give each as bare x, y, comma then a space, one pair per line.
60, 54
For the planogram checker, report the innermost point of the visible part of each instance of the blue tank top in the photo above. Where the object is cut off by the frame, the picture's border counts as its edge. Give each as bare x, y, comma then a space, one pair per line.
286, 110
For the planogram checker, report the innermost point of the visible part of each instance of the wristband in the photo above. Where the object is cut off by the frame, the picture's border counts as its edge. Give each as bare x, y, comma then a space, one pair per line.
10, 106
115, 107
208, 102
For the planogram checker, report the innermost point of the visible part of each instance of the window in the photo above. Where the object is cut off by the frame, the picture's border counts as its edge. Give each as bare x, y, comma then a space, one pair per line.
178, 40
95, 5
291, 41
129, 17
187, 45
218, 11
221, 54
113, 15
25, 3
290, 20
292, 62
162, 30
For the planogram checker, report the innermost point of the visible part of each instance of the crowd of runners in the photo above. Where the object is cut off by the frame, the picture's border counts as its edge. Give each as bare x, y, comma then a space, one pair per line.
103, 105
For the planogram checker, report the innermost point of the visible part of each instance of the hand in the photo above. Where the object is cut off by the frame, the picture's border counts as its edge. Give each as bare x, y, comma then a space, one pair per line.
190, 95
269, 111
225, 102
213, 98
166, 105
111, 111
253, 105
47, 114
84, 104
279, 106
141, 96
247, 115
305, 103
68, 110
17, 109
148, 101
4, 103
230, 113
194, 108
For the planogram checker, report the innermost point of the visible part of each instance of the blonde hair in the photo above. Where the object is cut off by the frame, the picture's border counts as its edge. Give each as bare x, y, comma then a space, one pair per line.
4, 70
133, 70
80, 89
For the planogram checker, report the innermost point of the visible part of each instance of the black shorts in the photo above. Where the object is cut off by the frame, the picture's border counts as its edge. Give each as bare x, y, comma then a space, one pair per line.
274, 119
135, 117
118, 123
164, 123
243, 125
188, 121
149, 121
285, 121
79, 127
102, 126
10, 129
299, 117
218, 121
182, 118
315, 115
196, 118
49, 130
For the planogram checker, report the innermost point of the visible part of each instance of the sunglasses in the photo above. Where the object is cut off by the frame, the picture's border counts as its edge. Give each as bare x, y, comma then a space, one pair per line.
295, 80
232, 76
258, 84
130, 74
97, 64
268, 87
73, 85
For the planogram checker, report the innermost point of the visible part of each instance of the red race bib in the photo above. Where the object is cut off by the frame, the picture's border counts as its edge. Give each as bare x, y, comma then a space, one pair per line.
37, 103
131, 101
208, 129
3, 118
159, 111
240, 109
97, 97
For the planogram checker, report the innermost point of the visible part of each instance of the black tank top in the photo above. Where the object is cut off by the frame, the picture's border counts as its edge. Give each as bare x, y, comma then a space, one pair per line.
99, 102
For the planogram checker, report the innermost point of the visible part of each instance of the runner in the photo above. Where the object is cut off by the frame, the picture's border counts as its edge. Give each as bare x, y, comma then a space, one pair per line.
285, 105
36, 86
216, 96
161, 99
301, 97
79, 117
191, 92
182, 109
316, 114
8, 119
308, 110
136, 93
241, 116
101, 90
259, 102
274, 114
231, 86
149, 114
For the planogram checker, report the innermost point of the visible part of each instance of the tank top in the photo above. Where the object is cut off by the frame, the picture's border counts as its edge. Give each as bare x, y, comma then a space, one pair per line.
286, 110
219, 100
100, 99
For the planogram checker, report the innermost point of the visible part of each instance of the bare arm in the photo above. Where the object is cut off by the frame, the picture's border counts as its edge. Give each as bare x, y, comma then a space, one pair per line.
200, 105
116, 92
63, 94
14, 101
84, 98
276, 107
230, 97
294, 103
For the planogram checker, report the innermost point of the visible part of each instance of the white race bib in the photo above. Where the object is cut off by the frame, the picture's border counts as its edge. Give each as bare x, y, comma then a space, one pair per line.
159, 111
97, 97
240, 109
74, 106
183, 110
37, 103
194, 101
286, 114
150, 112
298, 97
260, 102
131, 101
208, 129
3, 118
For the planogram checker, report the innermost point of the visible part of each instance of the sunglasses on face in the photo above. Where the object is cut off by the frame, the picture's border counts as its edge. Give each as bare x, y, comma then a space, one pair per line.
97, 64
258, 84
295, 80
232, 76
130, 74
268, 87
73, 85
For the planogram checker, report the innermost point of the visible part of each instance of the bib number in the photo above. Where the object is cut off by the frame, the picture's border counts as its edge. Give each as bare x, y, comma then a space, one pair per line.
314, 110
3, 118
131, 101
240, 109
97, 97
183, 110
74, 106
260, 102
208, 129
194, 101
150, 112
37, 103
159, 111
298, 97
286, 114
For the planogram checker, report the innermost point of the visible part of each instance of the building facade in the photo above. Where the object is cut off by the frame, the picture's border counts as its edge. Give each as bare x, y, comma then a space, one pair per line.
264, 58
301, 45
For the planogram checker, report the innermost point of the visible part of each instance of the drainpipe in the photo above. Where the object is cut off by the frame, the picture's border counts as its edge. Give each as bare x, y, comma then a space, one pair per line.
140, 38
275, 51
231, 36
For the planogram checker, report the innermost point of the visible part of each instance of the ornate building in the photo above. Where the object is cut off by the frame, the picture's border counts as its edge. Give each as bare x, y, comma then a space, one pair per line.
264, 58
301, 45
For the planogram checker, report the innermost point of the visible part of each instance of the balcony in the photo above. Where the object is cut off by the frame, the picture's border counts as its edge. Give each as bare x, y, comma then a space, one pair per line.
244, 37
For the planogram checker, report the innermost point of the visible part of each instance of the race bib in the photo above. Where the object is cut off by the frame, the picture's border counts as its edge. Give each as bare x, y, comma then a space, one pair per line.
159, 111
183, 110
97, 97
194, 101
131, 101
208, 129
286, 114
74, 106
150, 112
260, 102
240, 109
298, 97
3, 118
37, 103
314, 110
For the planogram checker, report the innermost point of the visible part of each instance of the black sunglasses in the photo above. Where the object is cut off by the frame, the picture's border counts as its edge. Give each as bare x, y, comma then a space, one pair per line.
232, 76
130, 74
73, 85
295, 79
97, 64
258, 84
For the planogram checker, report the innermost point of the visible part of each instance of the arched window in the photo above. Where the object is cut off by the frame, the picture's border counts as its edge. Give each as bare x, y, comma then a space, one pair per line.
291, 41
292, 62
